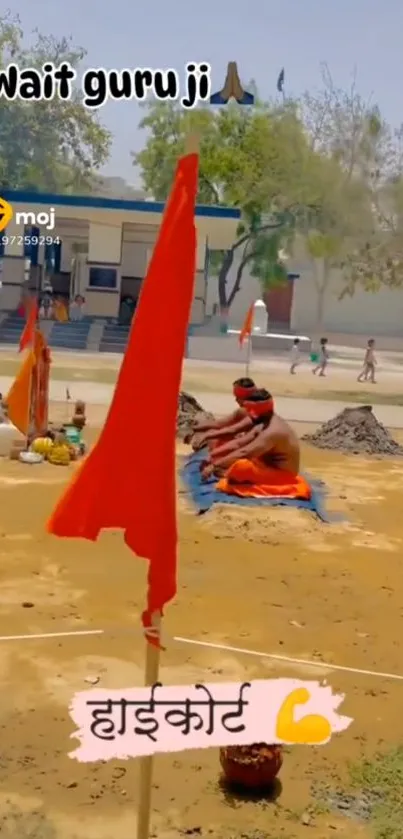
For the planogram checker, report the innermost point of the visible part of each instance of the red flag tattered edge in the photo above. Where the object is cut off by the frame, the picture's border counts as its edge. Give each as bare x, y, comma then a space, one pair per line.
28, 333
133, 487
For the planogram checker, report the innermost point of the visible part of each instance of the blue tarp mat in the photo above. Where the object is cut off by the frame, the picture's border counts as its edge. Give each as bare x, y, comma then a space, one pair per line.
204, 494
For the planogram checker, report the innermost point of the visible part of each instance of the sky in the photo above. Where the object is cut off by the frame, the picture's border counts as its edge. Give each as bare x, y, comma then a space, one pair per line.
362, 37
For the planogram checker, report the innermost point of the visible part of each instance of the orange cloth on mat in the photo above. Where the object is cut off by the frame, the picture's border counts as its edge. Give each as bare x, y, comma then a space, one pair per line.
252, 479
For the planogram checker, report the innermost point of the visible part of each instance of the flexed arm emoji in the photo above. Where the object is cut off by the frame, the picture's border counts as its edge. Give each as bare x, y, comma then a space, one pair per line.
310, 730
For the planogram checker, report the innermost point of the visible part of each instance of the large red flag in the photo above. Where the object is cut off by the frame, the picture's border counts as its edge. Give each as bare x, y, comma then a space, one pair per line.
132, 486
28, 334
246, 330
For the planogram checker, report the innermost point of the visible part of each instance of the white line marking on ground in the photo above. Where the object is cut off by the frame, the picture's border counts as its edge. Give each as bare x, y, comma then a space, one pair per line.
43, 635
287, 660
211, 645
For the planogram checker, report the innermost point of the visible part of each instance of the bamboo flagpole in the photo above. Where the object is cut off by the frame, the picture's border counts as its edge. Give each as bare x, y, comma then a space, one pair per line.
152, 662
152, 665
112, 489
27, 339
248, 357
68, 399
31, 396
146, 764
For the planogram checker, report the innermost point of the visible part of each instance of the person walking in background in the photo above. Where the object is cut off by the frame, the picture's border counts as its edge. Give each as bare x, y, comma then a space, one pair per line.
295, 356
323, 358
368, 370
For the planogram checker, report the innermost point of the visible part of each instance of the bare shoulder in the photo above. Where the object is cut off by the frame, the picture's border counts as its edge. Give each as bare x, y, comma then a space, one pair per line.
280, 427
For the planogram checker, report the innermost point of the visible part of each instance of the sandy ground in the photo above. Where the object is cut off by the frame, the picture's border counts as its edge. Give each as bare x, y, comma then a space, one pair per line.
303, 384
273, 374
278, 582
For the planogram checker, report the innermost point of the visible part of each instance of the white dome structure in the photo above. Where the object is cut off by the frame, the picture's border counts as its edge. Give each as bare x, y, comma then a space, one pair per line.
259, 318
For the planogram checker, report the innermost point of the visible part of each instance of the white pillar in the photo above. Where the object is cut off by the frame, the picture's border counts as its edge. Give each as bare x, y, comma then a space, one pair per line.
198, 311
259, 318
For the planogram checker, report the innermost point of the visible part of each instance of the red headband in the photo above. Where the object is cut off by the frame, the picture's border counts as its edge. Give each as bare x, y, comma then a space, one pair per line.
259, 409
243, 392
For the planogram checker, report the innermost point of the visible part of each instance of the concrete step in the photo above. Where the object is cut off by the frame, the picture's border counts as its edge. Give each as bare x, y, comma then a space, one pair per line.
71, 343
112, 348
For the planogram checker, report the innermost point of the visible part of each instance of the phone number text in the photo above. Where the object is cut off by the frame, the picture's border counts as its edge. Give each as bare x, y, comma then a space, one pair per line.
27, 241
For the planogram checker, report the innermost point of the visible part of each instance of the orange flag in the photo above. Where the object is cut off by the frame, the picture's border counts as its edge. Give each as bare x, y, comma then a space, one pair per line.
246, 330
28, 398
19, 396
40, 384
132, 485
28, 333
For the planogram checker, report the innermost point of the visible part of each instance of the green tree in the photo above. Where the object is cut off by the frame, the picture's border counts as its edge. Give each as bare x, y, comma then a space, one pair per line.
249, 158
378, 260
331, 229
353, 152
50, 146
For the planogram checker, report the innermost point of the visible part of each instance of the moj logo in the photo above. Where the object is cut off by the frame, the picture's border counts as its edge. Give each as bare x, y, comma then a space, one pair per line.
46, 220
6, 214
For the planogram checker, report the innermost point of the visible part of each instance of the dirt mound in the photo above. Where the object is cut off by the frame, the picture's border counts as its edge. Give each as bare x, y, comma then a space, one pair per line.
355, 431
189, 408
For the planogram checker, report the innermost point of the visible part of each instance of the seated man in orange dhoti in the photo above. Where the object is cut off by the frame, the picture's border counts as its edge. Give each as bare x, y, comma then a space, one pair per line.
214, 432
262, 462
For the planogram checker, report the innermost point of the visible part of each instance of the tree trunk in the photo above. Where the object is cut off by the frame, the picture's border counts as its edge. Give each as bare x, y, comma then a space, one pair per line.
225, 299
320, 307
241, 267
222, 279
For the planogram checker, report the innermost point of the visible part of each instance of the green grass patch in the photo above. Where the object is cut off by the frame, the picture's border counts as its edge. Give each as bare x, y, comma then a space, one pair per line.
373, 794
381, 781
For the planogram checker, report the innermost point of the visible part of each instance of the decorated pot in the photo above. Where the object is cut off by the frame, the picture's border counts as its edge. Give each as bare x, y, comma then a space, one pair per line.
79, 419
252, 767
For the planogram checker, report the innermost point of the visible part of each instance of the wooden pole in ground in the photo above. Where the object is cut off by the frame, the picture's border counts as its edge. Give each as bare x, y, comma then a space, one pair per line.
152, 664
32, 393
248, 357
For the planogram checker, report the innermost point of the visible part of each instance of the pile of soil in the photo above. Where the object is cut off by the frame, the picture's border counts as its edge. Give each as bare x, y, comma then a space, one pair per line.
189, 408
355, 431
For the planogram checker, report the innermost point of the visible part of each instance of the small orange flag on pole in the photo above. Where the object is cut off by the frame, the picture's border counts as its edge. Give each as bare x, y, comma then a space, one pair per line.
246, 330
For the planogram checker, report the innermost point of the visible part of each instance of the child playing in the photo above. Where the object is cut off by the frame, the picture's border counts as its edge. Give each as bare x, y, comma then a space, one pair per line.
295, 356
323, 358
368, 370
